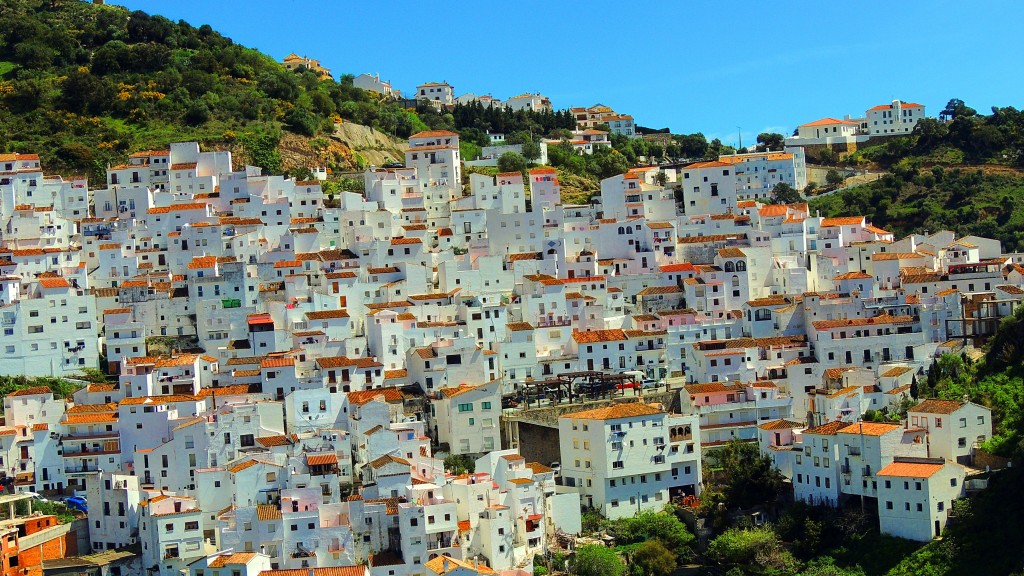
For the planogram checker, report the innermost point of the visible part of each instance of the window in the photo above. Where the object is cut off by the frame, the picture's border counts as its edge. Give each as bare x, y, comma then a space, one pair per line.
617, 465
466, 407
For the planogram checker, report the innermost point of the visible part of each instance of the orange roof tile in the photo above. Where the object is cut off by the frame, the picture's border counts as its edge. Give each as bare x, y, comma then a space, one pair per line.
870, 428
592, 336
361, 397
626, 410
910, 469
842, 221
827, 429
936, 406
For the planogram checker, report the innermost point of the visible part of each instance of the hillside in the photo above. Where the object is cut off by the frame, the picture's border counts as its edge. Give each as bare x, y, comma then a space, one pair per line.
83, 85
964, 172
967, 200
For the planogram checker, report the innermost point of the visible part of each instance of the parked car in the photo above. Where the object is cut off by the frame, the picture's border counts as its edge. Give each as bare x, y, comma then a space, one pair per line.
35, 496
77, 503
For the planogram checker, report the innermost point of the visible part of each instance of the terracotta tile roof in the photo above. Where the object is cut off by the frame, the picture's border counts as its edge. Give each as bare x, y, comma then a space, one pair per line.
233, 558
344, 361
443, 565
277, 362
710, 164
325, 571
828, 429
592, 336
626, 410
712, 387
265, 512
242, 466
772, 341
90, 418
835, 373
655, 290
456, 390
54, 283
829, 122
519, 326
883, 319
889, 106
870, 428
34, 391
361, 397
321, 459
897, 371
853, 276
775, 300
885, 256
780, 424
140, 400
910, 470
844, 392
394, 374
327, 314
936, 406
680, 267
433, 133
842, 221
271, 441
388, 459
708, 238
84, 408
176, 208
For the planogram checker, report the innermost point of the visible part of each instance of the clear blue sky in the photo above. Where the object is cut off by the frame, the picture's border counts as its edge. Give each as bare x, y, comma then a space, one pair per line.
691, 66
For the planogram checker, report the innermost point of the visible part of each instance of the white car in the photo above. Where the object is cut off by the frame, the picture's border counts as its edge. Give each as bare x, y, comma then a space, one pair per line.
35, 496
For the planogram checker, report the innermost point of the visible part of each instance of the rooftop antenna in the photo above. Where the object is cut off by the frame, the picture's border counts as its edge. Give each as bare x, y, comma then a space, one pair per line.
739, 132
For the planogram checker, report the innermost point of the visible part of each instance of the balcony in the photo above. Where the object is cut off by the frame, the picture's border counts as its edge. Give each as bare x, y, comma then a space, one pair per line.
440, 543
81, 469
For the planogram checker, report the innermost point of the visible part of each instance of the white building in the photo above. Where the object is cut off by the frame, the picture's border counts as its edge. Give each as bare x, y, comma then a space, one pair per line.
916, 496
437, 93
373, 83
895, 118
629, 457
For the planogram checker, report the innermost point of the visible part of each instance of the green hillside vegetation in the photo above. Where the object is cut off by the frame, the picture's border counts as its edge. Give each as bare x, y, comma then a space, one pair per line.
84, 85
960, 173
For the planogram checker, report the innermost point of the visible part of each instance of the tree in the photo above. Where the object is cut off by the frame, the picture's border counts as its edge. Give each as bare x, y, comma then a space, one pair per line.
810, 188
597, 560
654, 558
833, 177
759, 550
826, 566
750, 477
459, 464
770, 141
690, 146
531, 150
785, 194
663, 527
511, 162
956, 108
